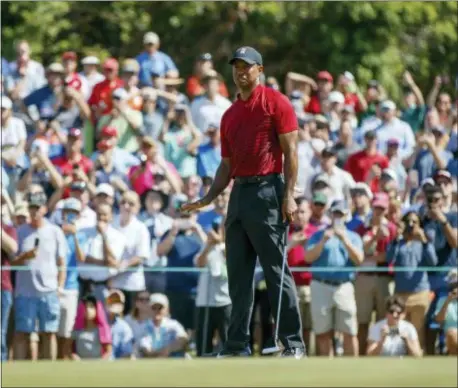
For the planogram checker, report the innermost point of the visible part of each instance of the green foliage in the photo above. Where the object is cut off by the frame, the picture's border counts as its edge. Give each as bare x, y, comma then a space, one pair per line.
373, 40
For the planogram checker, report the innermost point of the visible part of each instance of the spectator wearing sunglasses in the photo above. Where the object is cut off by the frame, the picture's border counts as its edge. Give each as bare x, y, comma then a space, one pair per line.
393, 336
131, 278
138, 317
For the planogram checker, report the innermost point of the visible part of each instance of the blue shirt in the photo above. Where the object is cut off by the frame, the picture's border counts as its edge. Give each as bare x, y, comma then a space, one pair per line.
208, 160
451, 317
184, 250
446, 255
452, 166
122, 338
425, 165
159, 63
334, 254
71, 281
5, 67
357, 221
411, 254
122, 160
205, 219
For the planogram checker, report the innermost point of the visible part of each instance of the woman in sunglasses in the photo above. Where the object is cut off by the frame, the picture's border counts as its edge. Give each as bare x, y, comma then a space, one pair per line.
411, 250
393, 336
139, 316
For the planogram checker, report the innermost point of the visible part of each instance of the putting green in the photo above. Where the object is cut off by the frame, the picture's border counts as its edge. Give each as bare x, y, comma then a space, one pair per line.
341, 372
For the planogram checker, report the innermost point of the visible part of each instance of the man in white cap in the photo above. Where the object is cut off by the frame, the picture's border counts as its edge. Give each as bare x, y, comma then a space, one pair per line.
90, 73
153, 60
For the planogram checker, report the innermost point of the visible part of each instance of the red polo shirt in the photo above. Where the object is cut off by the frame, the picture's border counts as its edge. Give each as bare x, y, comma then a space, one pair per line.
314, 105
65, 167
101, 94
296, 258
6, 275
359, 164
250, 129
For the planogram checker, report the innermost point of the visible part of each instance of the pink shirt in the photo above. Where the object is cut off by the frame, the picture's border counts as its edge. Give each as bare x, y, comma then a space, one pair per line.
145, 180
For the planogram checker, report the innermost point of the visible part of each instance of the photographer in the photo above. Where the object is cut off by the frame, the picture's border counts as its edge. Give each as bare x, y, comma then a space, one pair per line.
333, 304
447, 313
410, 250
393, 336
212, 301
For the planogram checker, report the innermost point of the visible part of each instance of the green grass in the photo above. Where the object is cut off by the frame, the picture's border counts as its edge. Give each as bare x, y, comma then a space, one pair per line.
341, 372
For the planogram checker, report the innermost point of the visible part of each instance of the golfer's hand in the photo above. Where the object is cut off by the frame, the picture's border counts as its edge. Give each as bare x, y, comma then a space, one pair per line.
192, 206
288, 208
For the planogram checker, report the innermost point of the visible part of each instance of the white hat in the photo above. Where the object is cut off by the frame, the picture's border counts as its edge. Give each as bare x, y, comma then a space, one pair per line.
105, 188
363, 187
159, 299
90, 60
115, 301
72, 204
336, 96
391, 173
149, 93
56, 67
40, 144
120, 93
318, 145
388, 105
151, 37
6, 102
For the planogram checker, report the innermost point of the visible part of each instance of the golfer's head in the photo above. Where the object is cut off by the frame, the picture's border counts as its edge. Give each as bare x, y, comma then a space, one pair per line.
246, 66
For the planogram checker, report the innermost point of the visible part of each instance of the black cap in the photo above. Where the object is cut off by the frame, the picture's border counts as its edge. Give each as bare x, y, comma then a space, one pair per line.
329, 151
37, 199
78, 185
248, 55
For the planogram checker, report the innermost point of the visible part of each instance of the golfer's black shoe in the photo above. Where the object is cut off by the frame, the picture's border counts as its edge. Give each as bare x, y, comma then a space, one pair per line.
241, 353
296, 353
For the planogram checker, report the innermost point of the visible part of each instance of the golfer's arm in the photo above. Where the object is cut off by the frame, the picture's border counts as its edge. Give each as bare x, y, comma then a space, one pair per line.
221, 181
288, 143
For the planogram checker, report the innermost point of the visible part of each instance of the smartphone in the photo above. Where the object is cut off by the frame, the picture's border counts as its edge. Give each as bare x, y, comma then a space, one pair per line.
37, 242
216, 224
71, 218
338, 223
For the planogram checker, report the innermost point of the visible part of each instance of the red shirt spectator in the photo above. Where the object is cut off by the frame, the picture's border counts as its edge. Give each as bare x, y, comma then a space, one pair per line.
194, 88
296, 257
6, 275
100, 100
360, 164
250, 129
72, 78
353, 100
325, 83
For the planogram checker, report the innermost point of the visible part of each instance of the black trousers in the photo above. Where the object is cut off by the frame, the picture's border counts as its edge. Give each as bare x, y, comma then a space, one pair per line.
254, 228
261, 299
210, 319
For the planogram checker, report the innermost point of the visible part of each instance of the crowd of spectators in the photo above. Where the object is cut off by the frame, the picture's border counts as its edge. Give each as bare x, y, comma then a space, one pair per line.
97, 159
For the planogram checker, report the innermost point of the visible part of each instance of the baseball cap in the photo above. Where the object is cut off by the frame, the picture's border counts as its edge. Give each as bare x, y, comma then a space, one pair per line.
329, 151
55, 68
105, 188
72, 204
388, 105
109, 132
336, 97
321, 178
390, 173
37, 199
111, 64
393, 142
296, 95
149, 93
325, 75
339, 206
69, 56
148, 141
130, 66
442, 174
371, 134
75, 132
21, 210
90, 60
120, 94
427, 182
78, 186
248, 55
361, 187
6, 102
381, 200
151, 38
115, 301
320, 198
160, 299
205, 57
439, 129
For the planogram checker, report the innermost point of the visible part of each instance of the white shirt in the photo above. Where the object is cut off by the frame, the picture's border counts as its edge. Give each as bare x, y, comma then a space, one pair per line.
205, 112
12, 134
161, 223
89, 82
138, 327
340, 184
137, 244
115, 240
86, 220
393, 345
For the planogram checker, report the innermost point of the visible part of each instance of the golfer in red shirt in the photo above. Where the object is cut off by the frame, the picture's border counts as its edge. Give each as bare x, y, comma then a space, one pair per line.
256, 132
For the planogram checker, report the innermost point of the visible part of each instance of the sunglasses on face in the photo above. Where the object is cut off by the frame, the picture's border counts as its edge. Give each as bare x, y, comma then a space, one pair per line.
394, 310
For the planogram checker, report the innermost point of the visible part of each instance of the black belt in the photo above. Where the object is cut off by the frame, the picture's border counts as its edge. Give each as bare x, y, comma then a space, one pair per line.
93, 282
241, 180
334, 283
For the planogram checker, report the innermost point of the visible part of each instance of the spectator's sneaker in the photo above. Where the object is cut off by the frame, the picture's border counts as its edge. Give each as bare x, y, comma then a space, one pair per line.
297, 353
241, 353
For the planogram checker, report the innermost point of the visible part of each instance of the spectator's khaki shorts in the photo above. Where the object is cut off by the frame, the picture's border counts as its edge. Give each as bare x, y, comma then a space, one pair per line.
68, 308
333, 308
305, 297
371, 294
